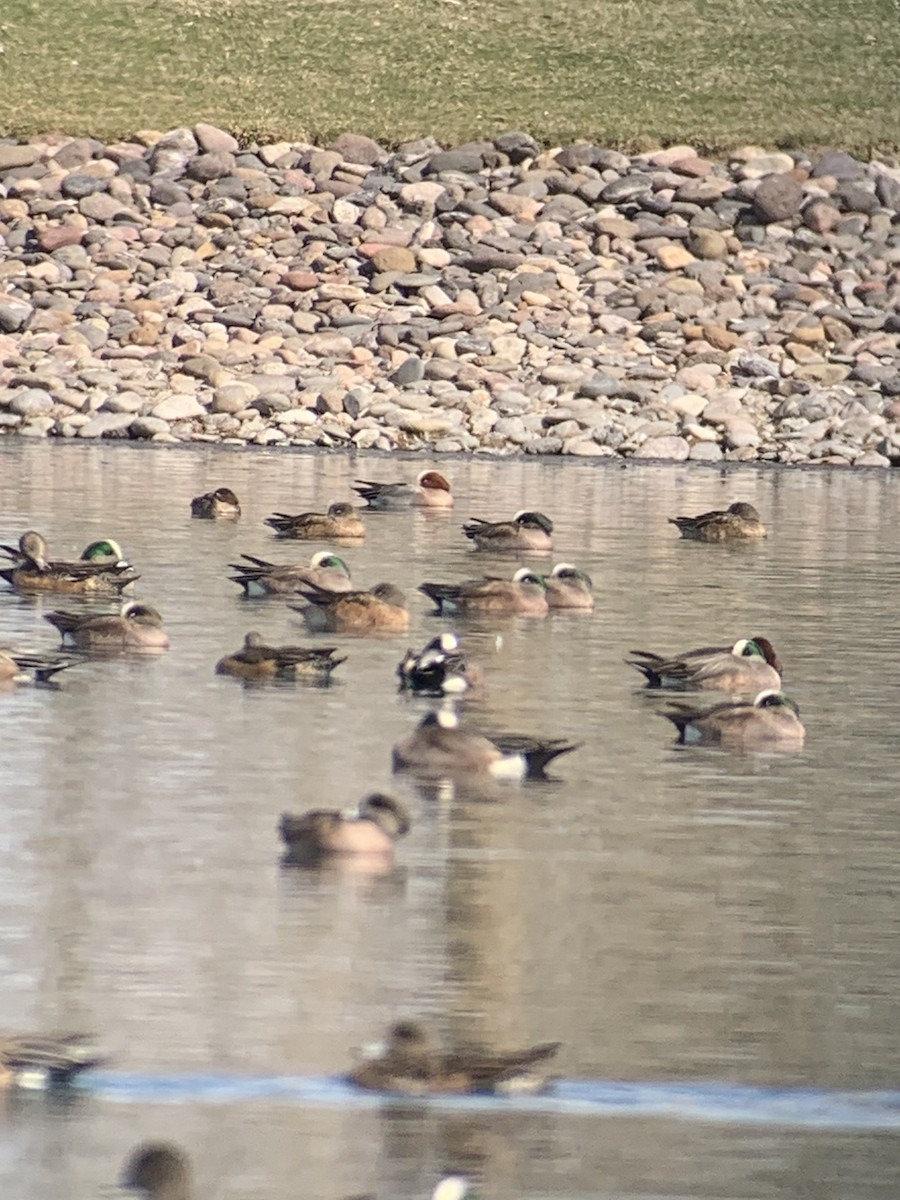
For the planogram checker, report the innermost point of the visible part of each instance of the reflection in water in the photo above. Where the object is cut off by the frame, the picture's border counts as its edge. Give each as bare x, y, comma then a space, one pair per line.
669, 915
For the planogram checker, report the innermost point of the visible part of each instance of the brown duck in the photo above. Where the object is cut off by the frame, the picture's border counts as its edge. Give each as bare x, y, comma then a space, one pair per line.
410, 1064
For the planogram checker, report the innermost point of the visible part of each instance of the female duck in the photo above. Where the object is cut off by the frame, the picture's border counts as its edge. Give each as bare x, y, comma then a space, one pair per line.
257, 661
380, 610
340, 523
410, 1064
371, 827
220, 505
740, 522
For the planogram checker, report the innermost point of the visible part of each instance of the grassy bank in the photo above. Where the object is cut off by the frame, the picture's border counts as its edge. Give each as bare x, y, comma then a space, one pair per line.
623, 72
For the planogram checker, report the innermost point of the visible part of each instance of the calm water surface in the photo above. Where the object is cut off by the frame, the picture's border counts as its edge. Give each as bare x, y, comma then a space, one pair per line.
701, 930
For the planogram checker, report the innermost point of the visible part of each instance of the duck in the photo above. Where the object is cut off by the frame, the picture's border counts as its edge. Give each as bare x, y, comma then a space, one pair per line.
738, 523
524, 595
339, 523
101, 568
258, 577
440, 669
256, 660
28, 666
158, 1171
46, 1060
370, 827
382, 609
33, 545
136, 627
526, 531
410, 1064
568, 587
750, 665
432, 490
770, 721
220, 505
438, 747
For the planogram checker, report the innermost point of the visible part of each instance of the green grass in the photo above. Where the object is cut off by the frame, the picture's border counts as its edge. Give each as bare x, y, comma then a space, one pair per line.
628, 73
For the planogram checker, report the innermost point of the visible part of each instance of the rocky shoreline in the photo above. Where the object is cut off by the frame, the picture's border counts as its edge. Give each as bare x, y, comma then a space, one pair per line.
494, 298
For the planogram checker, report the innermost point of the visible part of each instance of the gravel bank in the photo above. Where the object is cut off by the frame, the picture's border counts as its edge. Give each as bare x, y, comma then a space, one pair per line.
494, 297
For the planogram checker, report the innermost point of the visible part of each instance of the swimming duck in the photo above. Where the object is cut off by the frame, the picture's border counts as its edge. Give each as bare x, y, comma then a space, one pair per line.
262, 578
27, 666
158, 1171
432, 490
567, 587
739, 522
410, 1064
256, 660
749, 666
36, 1060
371, 827
137, 627
340, 523
101, 568
770, 721
438, 747
382, 609
438, 670
220, 505
526, 531
523, 595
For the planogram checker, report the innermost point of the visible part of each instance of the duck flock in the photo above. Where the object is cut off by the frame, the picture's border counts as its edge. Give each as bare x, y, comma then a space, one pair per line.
752, 714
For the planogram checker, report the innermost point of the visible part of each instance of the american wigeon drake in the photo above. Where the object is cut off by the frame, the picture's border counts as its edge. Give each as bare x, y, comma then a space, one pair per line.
158, 1171
382, 609
739, 522
370, 827
31, 666
410, 1064
524, 595
770, 721
100, 569
137, 627
220, 505
432, 490
258, 577
341, 523
438, 747
567, 587
45, 1060
440, 669
526, 531
749, 666
33, 545
257, 661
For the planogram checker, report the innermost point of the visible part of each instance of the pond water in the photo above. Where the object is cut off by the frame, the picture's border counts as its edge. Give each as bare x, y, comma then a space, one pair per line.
713, 937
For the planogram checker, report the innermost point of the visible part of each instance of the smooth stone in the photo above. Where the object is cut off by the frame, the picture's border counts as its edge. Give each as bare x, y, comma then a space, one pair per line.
13, 314
178, 408
777, 198
30, 402
667, 447
106, 423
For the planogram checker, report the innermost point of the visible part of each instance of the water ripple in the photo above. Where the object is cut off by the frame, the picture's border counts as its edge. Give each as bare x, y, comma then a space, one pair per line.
722, 1103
